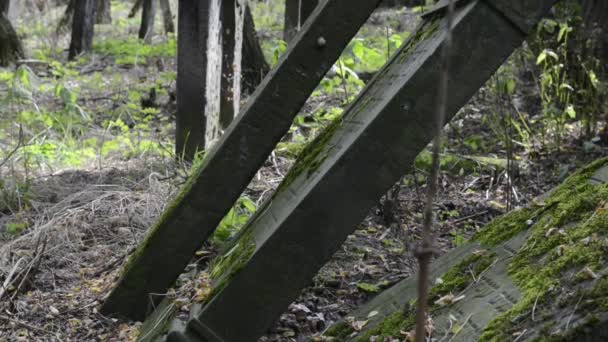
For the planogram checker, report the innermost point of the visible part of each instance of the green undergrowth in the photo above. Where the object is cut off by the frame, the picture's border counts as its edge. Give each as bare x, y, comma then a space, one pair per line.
133, 51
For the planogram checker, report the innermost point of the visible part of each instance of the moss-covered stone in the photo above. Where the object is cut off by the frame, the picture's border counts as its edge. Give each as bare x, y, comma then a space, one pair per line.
461, 275
454, 281
568, 238
563, 258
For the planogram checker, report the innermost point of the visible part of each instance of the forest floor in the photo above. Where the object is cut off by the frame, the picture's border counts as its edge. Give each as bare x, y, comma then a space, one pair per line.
67, 230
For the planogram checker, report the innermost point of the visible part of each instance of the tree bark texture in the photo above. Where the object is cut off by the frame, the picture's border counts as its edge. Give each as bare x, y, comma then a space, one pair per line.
296, 13
10, 44
165, 7
83, 24
193, 23
253, 64
104, 12
148, 14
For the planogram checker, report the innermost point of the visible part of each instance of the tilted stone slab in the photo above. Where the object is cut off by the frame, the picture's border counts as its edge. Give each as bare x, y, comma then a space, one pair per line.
231, 164
344, 171
491, 291
493, 294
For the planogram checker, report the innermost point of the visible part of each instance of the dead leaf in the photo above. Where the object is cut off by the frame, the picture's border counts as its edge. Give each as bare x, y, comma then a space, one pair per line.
589, 274
53, 310
358, 325
448, 300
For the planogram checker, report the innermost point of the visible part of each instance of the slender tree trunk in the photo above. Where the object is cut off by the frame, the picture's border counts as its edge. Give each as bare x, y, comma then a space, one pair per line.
104, 12
10, 45
83, 26
193, 31
595, 15
296, 13
167, 16
136, 7
253, 65
213, 83
5, 6
148, 14
229, 92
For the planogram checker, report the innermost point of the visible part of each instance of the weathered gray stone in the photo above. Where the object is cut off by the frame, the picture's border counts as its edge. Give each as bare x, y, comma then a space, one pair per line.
238, 155
600, 176
492, 293
345, 170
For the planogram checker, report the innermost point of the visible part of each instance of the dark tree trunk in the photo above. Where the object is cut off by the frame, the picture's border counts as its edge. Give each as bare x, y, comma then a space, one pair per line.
167, 16
296, 13
104, 12
229, 92
4, 6
10, 45
68, 17
193, 24
136, 7
253, 64
83, 26
595, 15
146, 30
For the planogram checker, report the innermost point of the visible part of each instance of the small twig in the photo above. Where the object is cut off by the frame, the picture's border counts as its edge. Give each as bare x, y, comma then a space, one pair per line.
521, 335
425, 252
573, 311
534, 307
462, 327
462, 219
9, 278
23, 324
14, 150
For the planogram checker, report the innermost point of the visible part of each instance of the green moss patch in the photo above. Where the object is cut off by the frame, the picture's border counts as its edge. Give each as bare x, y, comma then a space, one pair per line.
567, 244
312, 156
454, 281
224, 267
462, 275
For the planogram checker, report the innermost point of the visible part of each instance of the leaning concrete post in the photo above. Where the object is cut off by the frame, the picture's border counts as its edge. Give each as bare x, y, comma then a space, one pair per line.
197, 211
341, 174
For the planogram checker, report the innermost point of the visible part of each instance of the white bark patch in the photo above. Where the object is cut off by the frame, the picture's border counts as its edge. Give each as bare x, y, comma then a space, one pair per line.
214, 74
238, 53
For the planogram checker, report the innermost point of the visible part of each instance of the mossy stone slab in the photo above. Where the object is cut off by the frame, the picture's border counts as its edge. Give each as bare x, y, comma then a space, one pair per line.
489, 295
342, 174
